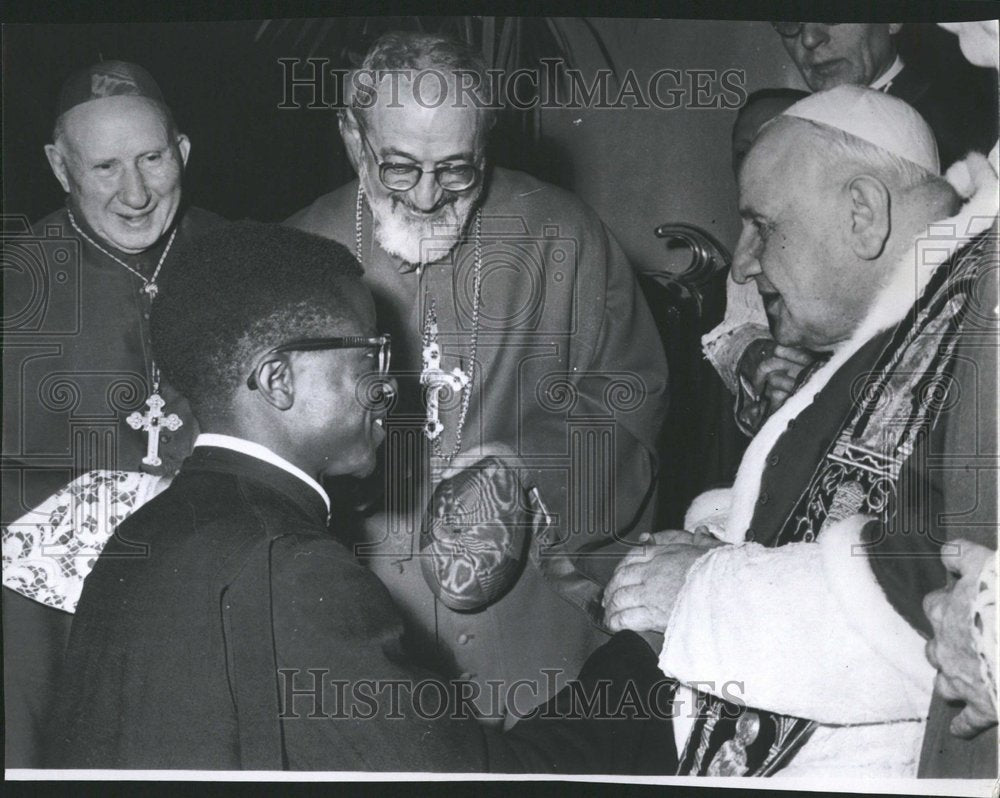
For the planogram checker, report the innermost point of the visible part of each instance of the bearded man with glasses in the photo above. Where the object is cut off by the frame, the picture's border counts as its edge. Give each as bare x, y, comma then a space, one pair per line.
518, 333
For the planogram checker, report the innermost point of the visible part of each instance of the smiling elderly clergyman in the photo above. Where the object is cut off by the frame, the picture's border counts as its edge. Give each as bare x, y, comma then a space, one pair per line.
539, 323
77, 356
859, 248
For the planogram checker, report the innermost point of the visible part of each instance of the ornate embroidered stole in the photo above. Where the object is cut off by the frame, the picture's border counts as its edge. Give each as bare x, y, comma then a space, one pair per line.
899, 400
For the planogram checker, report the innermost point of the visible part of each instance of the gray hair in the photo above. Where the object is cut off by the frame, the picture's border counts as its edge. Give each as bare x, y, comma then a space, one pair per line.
405, 51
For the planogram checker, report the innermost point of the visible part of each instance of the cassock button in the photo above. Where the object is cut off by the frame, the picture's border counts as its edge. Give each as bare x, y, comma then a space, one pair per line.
791, 423
764, 498
773, 460
464, 638
145, 315
466, 676
164, 437
751, 536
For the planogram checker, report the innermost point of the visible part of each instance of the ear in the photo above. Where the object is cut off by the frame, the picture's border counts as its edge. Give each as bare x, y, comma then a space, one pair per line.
184, 145
351, 135
870, 218
275, 381
895, 27
58, 163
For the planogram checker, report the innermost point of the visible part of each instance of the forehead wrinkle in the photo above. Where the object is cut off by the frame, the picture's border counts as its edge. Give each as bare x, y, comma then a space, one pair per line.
102, 130
410, 121
785, 166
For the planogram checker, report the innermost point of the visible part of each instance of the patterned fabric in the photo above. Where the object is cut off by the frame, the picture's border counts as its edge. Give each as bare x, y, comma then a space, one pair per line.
745, 743
897, 402
474, 533
48, 552
984, 625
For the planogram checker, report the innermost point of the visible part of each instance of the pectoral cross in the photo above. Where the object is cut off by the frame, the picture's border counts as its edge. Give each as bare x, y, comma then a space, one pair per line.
436, 379
152, 421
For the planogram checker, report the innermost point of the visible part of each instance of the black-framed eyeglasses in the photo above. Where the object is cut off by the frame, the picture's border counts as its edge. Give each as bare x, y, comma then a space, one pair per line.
383, 342
404, 176
789, 30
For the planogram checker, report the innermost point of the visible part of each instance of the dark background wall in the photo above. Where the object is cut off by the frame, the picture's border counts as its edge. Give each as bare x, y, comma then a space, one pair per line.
252, 159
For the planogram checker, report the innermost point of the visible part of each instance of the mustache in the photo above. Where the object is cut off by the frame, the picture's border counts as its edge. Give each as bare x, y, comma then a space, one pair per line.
444, 202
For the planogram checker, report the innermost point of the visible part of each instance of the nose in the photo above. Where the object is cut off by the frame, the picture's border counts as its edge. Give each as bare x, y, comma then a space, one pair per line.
745, 260
426, 193
133, 191
813, 34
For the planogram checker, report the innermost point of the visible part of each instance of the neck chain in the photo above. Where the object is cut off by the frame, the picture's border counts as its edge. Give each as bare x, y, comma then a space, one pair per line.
149, 285
432, 376
154, 419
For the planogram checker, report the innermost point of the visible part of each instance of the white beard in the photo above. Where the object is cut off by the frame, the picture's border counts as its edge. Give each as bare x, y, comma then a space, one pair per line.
417, 241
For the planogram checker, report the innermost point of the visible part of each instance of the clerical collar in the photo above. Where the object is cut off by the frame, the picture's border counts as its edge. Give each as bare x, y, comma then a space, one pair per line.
884, 81
252, 449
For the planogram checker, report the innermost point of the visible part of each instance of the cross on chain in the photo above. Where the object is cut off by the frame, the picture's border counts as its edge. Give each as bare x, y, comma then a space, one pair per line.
436, 379
152, 421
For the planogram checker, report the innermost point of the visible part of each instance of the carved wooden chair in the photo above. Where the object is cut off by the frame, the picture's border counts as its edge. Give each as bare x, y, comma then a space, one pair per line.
700, 446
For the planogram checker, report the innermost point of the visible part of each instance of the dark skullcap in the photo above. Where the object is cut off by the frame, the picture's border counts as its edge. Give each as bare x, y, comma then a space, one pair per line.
107, 79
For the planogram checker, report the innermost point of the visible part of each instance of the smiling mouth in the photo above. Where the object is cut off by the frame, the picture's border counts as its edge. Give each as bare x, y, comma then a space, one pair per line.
137, 220
417, 213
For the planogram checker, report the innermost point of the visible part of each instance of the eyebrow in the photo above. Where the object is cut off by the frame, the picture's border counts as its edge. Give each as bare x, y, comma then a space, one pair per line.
461, 156
112, 158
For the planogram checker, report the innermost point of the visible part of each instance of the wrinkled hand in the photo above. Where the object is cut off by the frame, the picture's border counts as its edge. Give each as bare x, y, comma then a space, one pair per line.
772, 369
644, 588
952, 650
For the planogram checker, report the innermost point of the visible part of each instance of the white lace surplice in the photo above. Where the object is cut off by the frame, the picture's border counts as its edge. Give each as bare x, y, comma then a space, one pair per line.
48, 552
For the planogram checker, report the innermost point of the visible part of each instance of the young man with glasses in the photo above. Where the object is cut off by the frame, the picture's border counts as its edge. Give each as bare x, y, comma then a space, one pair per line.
225, 627
516, 325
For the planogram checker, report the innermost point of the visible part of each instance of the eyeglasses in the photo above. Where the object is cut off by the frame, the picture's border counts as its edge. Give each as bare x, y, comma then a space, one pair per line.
404, 176
789, 30
383, 342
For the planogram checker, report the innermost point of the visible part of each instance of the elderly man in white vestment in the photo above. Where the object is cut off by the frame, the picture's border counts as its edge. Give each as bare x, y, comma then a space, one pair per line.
776, 589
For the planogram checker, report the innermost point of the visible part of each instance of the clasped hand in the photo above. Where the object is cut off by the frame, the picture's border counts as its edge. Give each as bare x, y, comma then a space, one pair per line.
952, 650
644, 588
773, 371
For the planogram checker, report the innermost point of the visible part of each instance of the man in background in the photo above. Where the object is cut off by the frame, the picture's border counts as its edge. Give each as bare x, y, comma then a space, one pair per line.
865, 54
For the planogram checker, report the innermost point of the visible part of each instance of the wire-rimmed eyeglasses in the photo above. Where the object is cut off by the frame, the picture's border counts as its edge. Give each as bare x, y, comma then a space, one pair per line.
382, 342
404, 176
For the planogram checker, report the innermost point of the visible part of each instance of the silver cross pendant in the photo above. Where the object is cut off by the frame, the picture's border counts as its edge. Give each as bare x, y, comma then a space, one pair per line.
436, 379
152, 422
